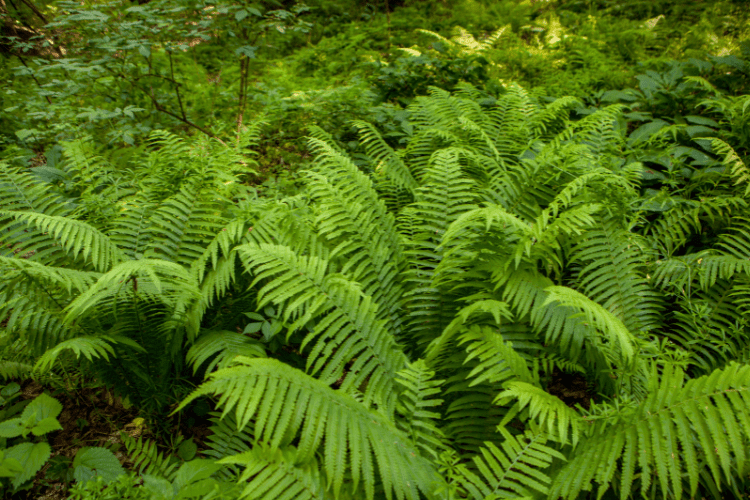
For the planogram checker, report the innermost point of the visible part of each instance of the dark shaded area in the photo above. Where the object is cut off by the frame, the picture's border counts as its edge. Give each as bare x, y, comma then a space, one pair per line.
572, 388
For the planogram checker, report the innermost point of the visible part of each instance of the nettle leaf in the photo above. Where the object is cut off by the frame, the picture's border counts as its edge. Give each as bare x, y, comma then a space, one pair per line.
43, 406
31, 456
45, 426
12, 428
91, 462
9, 467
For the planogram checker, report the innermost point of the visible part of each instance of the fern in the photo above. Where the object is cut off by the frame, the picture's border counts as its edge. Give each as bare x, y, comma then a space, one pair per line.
271, 474
417, 420
147, 459
354, 441
347, 327
513, 470
682, 427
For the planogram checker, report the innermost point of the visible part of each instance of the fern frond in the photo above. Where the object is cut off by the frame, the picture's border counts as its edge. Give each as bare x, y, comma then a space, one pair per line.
548, 410
224, 345
180, 226
416, 399
130, 228
347, 327
75, 237
22, 191
272, 474
226, 440
167, 282
736, 241
364, 234
353, 440
71, 280
598, 317
737, 169
681, 429
385, 158
147, 459
89, 347
446, 195
497, 360
611, 276
513, 470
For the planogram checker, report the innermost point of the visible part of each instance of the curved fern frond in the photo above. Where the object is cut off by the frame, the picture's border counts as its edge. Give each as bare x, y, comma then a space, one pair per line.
352, 216
89, 347
226, 440
385, 158
130, 228
225, 346
181, 224
75, 237
347, 327
22, 191
611, 276
355, 442
147, 459
446, 195
548, 410
681, 429
498, 361
71, 280
166, 282
623, 342
737, 169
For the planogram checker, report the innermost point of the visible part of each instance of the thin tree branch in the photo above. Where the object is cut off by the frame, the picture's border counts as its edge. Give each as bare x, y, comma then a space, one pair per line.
159, 108
35, 10
177, 85
34, 77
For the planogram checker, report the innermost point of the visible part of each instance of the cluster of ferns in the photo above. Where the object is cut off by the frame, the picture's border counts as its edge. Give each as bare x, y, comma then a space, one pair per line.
411, 310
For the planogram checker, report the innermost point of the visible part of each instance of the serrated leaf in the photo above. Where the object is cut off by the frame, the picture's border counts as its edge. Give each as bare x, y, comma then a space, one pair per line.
197, 489
46, 425
10, 390
10, 467
43, 406
31, 456
158, 486
241, 14
83, 474
144, 50
12, 428
101, 461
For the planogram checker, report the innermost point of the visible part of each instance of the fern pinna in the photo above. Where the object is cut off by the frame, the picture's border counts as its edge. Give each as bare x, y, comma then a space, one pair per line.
426, 310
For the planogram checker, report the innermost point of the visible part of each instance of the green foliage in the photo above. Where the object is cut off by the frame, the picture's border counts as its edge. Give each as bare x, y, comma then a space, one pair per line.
28, 454
395, 318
